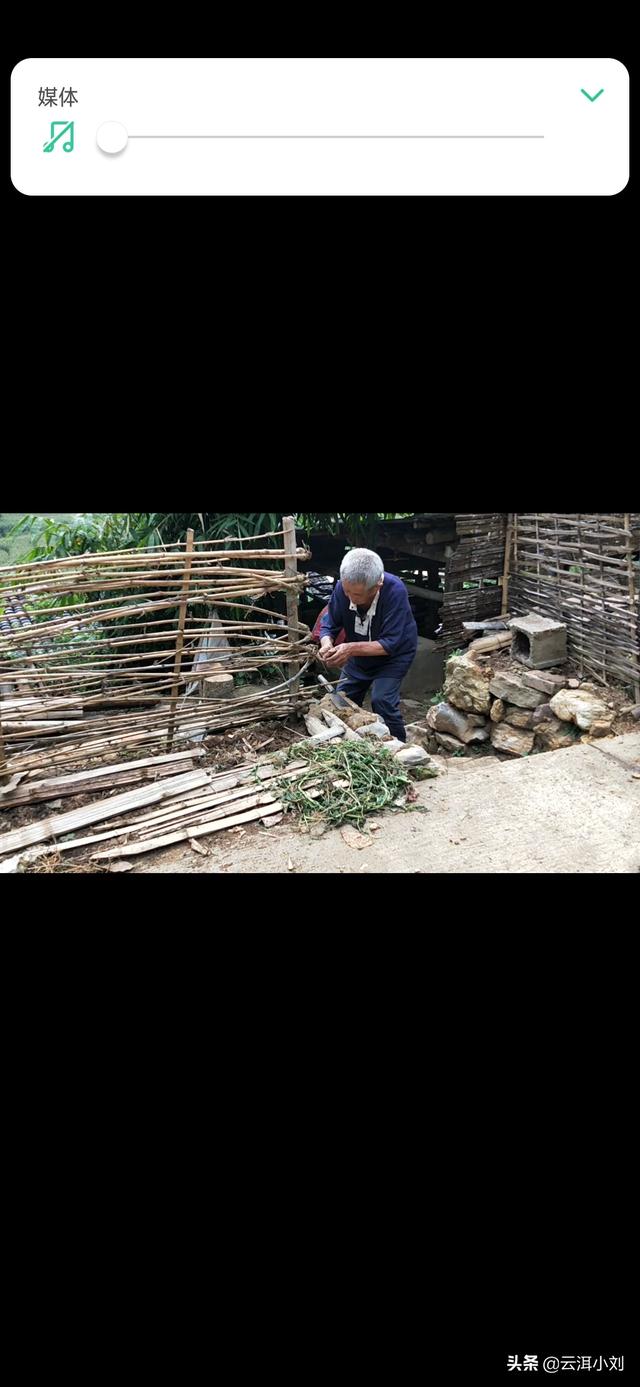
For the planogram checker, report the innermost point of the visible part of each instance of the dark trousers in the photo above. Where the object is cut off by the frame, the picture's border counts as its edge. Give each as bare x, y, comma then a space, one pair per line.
385, 696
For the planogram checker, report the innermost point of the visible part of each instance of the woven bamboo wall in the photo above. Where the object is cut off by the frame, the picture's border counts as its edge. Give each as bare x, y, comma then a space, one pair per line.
583, 570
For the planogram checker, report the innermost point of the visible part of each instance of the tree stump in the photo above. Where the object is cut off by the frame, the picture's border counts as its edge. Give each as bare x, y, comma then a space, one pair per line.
217, 686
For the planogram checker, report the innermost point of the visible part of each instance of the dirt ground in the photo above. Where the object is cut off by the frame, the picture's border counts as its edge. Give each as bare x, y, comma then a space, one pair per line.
572, 811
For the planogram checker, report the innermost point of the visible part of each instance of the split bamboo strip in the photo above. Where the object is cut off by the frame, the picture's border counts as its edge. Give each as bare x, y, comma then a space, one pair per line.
183, 835
99, 778
103, 809
137, 826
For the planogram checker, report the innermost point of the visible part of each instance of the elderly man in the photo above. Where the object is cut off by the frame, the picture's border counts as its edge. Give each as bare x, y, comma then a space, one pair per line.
372, 608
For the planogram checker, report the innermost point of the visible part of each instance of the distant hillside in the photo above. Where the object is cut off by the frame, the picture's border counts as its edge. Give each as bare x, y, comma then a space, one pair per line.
12, 549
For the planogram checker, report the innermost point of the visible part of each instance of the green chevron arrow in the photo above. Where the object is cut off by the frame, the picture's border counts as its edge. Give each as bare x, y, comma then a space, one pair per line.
593, 98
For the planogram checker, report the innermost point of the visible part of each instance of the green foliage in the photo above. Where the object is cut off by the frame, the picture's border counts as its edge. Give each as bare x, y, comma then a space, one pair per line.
354, 780
360, 527
60, 537
14, 545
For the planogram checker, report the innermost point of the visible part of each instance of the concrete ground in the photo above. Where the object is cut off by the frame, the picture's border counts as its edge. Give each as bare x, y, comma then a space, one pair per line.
568, 811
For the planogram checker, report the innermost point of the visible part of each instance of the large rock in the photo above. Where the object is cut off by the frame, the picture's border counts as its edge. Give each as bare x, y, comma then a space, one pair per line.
444, 718
511, 688
477, 736
519, 717
467, 685
511, 740
544, 682
419, 734
543, 714
602, 727
411, 756
450, 744
579, 706
555, 735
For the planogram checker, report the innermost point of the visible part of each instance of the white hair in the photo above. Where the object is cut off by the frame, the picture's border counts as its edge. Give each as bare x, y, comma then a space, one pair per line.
362, 566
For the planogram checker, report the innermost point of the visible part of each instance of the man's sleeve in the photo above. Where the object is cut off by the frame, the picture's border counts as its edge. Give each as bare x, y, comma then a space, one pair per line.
333, 619
393, 629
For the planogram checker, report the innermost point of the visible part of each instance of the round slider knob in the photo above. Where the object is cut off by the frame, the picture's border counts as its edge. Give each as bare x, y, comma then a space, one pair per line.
112, 137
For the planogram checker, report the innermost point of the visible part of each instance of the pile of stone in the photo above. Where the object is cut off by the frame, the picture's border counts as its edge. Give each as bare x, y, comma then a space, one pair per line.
326, 720
517, 710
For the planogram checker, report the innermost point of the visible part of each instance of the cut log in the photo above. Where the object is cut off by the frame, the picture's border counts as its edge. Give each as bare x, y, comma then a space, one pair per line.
217, 686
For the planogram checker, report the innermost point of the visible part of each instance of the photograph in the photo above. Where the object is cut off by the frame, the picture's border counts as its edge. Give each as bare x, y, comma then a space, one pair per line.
330, 693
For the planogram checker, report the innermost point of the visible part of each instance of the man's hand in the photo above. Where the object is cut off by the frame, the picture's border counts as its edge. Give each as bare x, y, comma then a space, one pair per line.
326, 649
338, 657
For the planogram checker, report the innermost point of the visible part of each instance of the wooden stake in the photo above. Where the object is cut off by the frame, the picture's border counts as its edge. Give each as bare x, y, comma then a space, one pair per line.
182, 619
293, 605
632, 590
507, 566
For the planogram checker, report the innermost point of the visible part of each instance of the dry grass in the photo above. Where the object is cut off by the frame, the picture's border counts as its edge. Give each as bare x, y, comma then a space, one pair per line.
53, 864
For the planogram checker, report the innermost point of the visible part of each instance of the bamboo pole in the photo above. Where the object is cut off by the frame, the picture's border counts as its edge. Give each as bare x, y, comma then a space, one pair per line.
180, 638
4, 770
293, 606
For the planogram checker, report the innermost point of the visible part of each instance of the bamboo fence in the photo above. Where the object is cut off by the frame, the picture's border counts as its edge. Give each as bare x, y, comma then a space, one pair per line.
106, 657
583, 570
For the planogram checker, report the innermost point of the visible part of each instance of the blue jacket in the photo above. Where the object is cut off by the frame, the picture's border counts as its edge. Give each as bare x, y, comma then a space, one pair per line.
393, 626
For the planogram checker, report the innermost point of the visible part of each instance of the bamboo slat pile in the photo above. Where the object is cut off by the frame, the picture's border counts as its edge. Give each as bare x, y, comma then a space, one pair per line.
107, 644
172, 810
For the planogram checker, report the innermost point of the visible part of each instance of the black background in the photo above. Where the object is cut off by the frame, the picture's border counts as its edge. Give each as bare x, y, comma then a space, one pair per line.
337, 1129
